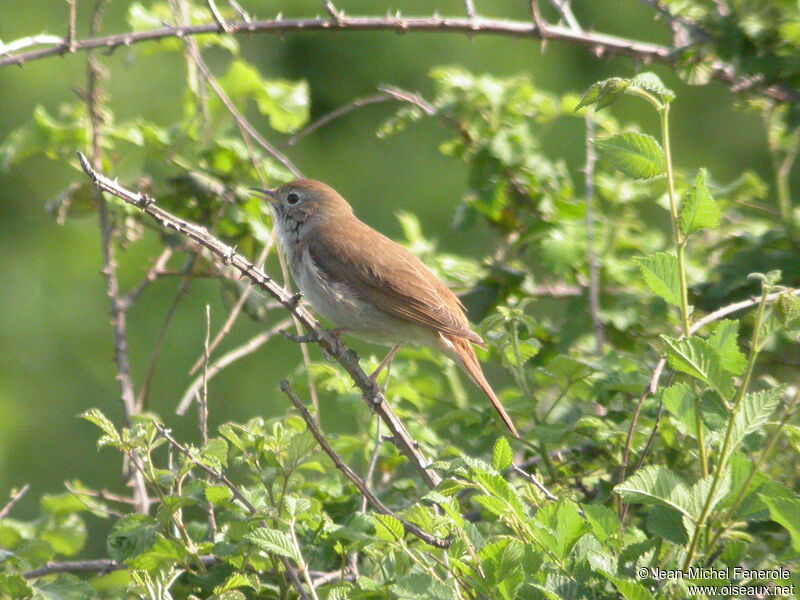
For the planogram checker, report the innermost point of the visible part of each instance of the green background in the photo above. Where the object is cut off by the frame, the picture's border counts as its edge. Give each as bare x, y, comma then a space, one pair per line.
55, 339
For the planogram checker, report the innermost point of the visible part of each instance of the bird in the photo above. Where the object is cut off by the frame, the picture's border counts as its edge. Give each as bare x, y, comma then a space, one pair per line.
367, 285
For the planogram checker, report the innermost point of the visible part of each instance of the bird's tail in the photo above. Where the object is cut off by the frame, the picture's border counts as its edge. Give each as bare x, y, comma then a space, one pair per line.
469, 362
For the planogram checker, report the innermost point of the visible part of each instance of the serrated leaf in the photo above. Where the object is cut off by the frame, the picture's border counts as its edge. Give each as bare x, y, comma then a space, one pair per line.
603, 520
656, 485
696, 357
724, 339
96, 417
273, 542
603, 93
651, 82
238, 580
698, 210
130, 536
421, 587
64, 587
700, 492
388, 528
661, 274
296, 506
628, 588
753, 412
637, 155
502, 454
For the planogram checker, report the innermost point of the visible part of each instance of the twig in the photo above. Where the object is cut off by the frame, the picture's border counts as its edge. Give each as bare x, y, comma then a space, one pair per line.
565, 10
226, 359
331, 10
335, 114
539, 485
469, 6
362, 487
32, 40
103, 494
239, 11
13, 501
541, 27
118, 308
223, 25
594, 267
98, 565
235, 311
153, 273
240, 119
605, 44
71, 29
202, 402
144, 390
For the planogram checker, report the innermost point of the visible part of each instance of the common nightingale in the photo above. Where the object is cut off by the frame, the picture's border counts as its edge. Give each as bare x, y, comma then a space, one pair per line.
367, 285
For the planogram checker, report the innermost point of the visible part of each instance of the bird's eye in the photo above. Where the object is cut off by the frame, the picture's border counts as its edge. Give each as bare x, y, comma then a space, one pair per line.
293, 198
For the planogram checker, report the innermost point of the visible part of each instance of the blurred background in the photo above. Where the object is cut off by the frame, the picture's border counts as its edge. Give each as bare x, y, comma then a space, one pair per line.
55, 340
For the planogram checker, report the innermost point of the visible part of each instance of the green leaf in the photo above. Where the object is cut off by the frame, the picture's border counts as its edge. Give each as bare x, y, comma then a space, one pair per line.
388, 528
163, 554
667, 523
681, 403
698, 210
651, 82
131, 535
218, 495
603, 93
753, 412
603, 520
274, 542
286, 103
569, 527
296, 506
502, 454
661, 274
724, 340
64, 587
629, 589
238, 580
14, 586
421, 587
700, 492
637, 155
96, 417
656, 485
67, 536
696, 357
786, 512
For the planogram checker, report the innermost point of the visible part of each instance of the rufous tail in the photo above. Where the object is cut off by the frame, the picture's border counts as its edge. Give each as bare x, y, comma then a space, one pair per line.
469, 361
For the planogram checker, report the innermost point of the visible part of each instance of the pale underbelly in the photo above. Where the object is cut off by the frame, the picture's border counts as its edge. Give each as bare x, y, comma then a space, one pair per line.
338, 304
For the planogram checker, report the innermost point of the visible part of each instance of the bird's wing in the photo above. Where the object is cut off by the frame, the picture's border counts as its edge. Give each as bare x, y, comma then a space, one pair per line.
361, 261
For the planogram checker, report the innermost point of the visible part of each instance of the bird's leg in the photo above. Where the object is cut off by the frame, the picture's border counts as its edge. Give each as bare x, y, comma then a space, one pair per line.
384, 363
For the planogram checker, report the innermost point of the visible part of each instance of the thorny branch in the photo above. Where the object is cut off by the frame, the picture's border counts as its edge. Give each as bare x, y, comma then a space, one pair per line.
348, 359
599, 43
360, 484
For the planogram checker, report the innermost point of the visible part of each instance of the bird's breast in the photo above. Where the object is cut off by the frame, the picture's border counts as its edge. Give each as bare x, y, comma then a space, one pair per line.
341, 305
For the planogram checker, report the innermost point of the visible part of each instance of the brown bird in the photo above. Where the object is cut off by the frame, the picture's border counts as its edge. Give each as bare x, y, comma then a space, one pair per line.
366, 284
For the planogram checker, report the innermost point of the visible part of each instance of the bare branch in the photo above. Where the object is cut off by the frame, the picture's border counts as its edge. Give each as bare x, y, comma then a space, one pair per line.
565, 10
235, 311
13, 501
596, 42
332, 11
335, 114
537, 484
379, 506
469, 6
71, 29
226, 359
223, 25
32, 40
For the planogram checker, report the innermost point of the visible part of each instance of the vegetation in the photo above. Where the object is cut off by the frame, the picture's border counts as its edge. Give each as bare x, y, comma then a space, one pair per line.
642, 319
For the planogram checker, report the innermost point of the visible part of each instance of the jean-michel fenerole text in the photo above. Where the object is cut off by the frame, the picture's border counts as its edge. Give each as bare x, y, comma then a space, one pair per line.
726, 573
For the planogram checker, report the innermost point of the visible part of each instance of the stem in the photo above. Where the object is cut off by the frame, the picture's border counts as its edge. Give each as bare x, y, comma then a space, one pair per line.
723, 453
680, 242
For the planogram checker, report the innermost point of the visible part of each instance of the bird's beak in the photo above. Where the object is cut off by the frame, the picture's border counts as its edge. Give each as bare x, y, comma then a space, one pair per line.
268, 195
